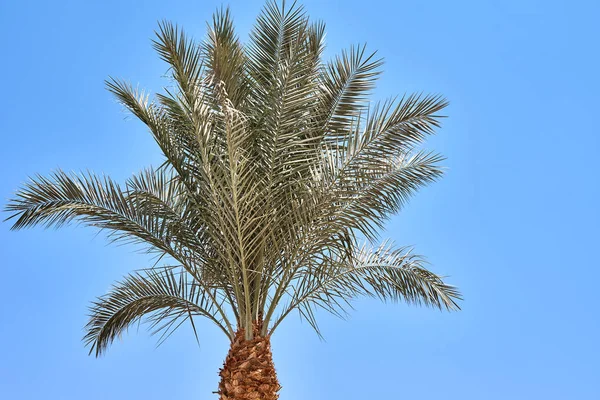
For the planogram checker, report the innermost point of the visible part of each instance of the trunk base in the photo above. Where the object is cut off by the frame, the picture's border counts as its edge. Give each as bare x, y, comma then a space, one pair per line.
248, 372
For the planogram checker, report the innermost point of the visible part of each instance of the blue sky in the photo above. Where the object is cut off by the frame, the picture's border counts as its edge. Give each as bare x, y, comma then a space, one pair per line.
514, 223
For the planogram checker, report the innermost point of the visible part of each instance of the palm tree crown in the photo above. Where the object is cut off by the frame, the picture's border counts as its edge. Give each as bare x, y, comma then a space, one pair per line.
276, 169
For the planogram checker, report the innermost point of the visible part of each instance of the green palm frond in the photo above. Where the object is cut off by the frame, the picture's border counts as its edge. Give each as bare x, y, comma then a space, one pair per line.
276, 165
94, 200
388, 131
183, 56
386, 190
346, 84
226, 59
164, 297
385, 272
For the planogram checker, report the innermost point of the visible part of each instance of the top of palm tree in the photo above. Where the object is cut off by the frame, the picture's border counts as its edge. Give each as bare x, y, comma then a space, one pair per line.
276, 169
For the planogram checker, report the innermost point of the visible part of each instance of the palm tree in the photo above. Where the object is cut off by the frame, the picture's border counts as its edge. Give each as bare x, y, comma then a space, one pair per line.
277, 178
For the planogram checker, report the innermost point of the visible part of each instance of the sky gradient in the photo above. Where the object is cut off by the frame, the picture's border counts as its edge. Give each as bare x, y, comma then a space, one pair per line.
514, 223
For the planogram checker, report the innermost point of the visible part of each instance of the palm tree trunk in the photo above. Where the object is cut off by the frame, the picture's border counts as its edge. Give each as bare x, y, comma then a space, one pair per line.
248, 372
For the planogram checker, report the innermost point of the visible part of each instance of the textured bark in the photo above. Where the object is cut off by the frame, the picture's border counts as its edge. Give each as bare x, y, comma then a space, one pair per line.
248, 371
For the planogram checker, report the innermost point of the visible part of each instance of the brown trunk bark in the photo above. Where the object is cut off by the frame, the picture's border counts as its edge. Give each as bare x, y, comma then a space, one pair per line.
248, 371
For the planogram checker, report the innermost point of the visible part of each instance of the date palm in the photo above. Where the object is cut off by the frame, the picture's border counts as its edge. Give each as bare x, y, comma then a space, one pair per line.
278, 175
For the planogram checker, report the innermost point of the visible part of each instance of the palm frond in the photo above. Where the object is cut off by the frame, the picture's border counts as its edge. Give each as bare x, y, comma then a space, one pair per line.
345, 86
388, 273
183, 56
163, 297
226, 59
390, 130
383, 192
96, 201
272, 40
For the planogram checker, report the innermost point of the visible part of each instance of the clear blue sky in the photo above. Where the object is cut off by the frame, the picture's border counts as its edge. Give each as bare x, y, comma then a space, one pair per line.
514, 223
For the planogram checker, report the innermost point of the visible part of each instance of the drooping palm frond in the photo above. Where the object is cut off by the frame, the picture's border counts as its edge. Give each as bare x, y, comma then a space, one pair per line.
275, 165
384, 272
166, 297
